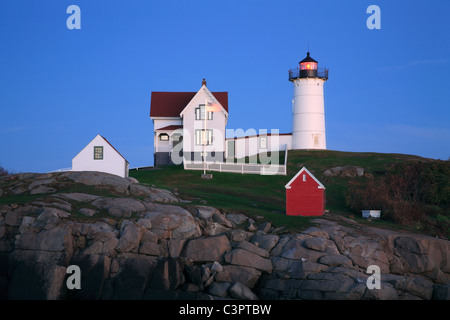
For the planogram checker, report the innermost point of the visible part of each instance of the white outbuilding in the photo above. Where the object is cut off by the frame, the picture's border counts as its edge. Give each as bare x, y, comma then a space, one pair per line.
100, 155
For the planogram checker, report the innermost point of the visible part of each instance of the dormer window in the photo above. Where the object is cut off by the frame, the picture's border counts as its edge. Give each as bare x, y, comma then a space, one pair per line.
200, 113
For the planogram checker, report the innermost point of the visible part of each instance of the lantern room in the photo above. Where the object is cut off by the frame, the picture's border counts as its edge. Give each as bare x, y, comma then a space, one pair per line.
308, 67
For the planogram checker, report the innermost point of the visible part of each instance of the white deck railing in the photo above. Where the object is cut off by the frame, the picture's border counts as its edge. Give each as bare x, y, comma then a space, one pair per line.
243, 168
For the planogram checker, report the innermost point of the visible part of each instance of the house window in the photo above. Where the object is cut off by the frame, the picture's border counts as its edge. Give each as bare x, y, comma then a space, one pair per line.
164, 137
304, 177
263, 142
201, 139
200, 113
98, 153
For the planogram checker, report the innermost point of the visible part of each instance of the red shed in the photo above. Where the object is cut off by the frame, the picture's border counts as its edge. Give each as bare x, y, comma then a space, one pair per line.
305, 195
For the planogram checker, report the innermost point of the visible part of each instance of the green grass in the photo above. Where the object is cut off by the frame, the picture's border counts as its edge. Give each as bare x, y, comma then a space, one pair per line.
26, 197
257, 195
19, 198
253, 195
260, 197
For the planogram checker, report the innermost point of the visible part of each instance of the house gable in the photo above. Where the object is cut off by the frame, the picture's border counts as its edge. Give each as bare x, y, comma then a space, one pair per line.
98, 140
202, 95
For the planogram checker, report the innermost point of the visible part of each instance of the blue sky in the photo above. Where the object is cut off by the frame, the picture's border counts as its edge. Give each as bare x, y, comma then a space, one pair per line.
388, 89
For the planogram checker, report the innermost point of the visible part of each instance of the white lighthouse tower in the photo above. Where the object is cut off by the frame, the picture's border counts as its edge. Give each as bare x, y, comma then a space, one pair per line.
308, 111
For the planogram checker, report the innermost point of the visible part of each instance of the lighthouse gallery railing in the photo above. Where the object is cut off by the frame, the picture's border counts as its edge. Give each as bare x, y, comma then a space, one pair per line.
295, 73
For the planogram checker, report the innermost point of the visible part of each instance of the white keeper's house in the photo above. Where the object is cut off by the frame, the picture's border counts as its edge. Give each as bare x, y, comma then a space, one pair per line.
180, 126
191, 125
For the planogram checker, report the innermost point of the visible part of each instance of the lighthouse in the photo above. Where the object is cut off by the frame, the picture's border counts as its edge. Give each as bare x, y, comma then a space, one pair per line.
308, 110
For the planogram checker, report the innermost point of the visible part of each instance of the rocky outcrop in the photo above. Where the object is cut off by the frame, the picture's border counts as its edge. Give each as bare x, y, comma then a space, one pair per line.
35, 183
206, 249
131, 245
346, 171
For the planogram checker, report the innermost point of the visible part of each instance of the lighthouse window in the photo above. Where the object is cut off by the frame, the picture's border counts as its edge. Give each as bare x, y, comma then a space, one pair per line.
316, 139
308, 66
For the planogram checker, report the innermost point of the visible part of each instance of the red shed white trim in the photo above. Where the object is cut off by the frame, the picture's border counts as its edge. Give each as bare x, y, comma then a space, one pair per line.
305, 195
320, 185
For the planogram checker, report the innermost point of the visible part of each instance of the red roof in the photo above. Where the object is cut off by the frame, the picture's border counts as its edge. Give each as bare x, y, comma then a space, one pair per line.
170, 128
170, 104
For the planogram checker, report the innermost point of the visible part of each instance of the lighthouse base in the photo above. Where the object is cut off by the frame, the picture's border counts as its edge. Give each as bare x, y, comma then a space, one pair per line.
308, 141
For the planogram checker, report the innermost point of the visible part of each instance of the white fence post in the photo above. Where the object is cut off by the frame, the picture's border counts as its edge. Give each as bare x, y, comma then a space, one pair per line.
285, 159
